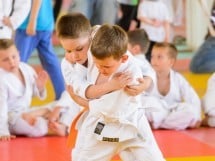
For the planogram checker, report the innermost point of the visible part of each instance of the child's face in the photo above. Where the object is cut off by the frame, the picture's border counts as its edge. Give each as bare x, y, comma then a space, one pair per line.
9, 59
109, 65
160, 60
76, 49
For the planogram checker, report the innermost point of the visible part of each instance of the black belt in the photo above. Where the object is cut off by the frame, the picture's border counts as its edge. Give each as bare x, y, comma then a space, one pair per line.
1, 27
110, 139
98, 130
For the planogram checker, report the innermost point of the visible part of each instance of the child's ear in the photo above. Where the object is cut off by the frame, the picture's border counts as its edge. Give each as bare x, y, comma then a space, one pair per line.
124, 58
172, 61
136, 49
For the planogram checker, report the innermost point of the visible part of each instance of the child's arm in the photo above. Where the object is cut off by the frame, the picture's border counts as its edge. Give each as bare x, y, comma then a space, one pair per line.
119, 81
41, 80
79, 100
31, 116
31, 28
55, 114
145, 84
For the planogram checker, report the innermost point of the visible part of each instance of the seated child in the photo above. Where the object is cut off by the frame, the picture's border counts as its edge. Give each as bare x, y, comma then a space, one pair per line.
208, 103
16, 99
18, 83
177, 104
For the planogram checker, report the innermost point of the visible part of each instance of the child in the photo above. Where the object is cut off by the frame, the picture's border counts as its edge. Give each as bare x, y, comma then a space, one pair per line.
178, 105
138, 43
36, 33
155, 19
209, 104
119, 124
18, 83
74, 32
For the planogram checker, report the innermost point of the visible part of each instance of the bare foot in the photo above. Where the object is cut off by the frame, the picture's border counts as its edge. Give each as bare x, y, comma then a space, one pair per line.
7, 137
58, 128
29, 118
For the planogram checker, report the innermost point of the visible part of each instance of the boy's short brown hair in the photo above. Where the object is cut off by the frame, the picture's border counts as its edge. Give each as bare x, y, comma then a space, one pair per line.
6, 43
139, 37
73, 25
109, 40
172, 50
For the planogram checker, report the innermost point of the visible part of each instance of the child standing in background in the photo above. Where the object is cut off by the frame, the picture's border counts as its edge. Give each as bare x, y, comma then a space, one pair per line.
155, 19
178, 105
36, 33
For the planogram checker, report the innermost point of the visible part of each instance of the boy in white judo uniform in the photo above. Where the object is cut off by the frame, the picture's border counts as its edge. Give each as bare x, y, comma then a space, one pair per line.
12, 14
74, 32
18, 84
177, 104
208, 103
115, 121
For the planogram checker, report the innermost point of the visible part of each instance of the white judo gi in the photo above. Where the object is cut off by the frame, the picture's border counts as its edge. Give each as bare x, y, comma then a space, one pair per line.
15, 99
179, 109
20, 12
153, 10
115, 122
208, 101
74, 74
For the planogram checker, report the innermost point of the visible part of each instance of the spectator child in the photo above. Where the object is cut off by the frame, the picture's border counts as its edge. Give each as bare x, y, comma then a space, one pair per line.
155, 19
18, 83
178, 105
209, 103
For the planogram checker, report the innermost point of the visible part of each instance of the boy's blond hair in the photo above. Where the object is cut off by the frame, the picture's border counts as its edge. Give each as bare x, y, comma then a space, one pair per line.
6, 43
172, 50
139, 37
109, 40
73, 26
